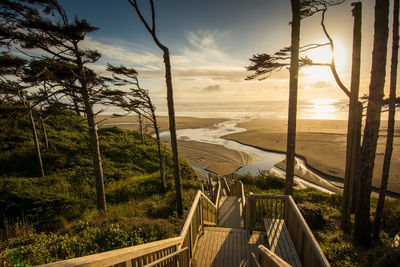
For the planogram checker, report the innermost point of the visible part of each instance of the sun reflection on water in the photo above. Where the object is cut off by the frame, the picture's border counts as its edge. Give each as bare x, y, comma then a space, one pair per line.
323, 109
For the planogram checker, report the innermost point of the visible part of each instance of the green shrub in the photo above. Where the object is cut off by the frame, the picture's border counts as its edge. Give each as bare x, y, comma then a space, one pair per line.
313, 215
391, 217
263, 181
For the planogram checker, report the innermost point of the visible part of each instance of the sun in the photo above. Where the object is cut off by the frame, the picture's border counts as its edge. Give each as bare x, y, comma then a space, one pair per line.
324, 55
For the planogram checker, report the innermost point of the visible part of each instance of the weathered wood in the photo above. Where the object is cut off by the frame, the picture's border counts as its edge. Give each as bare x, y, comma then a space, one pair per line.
193, 225
229, 213
226, 186
269, 259
283, 207
280, 242
166, 259
114, 257
223, 247
307, 247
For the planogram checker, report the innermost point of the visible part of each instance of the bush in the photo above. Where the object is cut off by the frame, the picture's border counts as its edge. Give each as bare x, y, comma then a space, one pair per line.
389, 259
313, 215
263, 180
391, 217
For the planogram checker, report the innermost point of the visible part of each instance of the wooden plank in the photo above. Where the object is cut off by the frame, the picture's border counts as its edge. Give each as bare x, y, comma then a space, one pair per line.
268, 258
291, 250
280, 242
114, 257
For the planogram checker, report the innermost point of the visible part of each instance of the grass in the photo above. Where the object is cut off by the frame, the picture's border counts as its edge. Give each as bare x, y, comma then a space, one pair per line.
55, 218
322, 213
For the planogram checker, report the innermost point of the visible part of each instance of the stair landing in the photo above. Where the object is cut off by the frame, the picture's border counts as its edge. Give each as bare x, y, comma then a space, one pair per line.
226, 247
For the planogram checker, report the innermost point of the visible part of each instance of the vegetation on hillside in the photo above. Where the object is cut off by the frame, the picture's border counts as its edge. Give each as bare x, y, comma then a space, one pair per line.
54, 218
322, 213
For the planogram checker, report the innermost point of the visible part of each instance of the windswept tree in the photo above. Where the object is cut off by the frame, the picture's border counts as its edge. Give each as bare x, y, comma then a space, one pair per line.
151, 28
42, 25
362, 226
391, 121
138, 101
289, 57
17, 90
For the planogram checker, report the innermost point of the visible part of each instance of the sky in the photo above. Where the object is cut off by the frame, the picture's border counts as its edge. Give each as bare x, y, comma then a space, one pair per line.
211, 42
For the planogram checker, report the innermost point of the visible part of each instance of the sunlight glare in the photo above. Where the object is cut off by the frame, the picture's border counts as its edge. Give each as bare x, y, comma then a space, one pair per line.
323, 109
324, 55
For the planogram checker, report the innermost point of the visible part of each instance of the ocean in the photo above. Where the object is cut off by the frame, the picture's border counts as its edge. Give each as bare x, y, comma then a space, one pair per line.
332, 109
323, 109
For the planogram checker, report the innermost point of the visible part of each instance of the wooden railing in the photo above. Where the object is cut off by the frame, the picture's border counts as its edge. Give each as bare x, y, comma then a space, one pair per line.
266, 258
179, 258
284, 207
226, 186
238, 190
177, 251
202, 212
264, 206
132, 256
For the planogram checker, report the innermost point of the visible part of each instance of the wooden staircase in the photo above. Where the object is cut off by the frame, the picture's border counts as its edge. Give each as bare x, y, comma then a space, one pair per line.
224, 228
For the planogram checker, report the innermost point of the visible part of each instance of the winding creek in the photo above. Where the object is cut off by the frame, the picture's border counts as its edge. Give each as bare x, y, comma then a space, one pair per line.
264, 160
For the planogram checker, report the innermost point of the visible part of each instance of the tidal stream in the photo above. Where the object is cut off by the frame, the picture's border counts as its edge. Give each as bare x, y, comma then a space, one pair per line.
264, 160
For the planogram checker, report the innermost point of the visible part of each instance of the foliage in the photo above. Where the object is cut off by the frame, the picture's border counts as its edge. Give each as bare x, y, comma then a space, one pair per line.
313, 215
322, 213
60, 220
263, 181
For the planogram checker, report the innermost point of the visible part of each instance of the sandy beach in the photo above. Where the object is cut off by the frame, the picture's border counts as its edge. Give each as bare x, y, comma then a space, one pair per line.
181, 122
322, 143
215, 158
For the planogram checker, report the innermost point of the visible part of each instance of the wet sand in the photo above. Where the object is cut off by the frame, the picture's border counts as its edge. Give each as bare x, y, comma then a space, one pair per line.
163, 124
321, 142
214, 158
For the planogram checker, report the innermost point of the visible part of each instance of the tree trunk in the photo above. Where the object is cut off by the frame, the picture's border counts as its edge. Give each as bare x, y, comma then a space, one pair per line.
36, 142
352, 148
46, 140
141, 127
357, 152
95, 150
391, 120
172, 130
94, 138
160, 155
293, 83
362, 228
158, 139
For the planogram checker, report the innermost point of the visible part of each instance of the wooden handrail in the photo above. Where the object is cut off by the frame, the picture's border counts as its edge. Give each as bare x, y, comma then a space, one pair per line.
155, 251
242, 195
270, 259
162, 260
190, 215
114, 257
284, 207
307, 247
228, 190
269, 196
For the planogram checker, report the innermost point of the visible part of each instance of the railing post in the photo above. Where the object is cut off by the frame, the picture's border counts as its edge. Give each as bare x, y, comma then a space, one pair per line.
202, 213
252, 212
190, 241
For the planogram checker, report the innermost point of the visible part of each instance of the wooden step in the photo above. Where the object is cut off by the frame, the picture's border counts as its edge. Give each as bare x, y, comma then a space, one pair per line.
226, 247
280, 242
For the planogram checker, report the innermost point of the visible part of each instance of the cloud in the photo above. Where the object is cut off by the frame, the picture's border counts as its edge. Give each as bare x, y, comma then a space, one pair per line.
117, 52
212, 88
208, 48
322, 84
